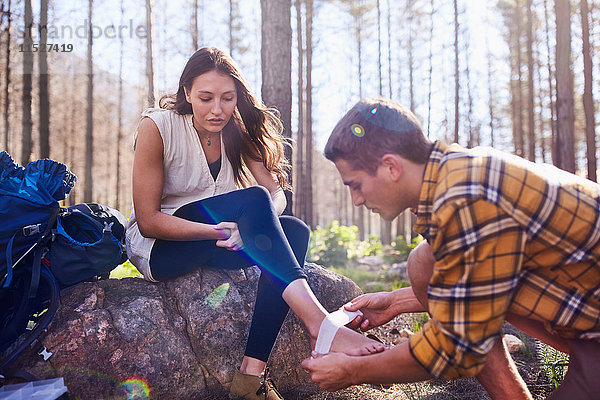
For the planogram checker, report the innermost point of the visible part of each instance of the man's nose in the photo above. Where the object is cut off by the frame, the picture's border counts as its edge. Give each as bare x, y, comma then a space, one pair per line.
357, 198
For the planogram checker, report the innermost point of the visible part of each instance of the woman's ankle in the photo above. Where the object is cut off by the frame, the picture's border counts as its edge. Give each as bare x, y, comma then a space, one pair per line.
252, 366
305, 305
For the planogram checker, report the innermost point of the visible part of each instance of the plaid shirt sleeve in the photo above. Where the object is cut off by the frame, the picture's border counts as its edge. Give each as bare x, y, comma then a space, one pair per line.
479, 251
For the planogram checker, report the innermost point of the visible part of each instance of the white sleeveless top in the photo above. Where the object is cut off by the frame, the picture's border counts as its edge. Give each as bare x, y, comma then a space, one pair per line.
187, 178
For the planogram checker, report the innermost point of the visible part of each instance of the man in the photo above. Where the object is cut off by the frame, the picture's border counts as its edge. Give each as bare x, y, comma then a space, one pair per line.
506, 239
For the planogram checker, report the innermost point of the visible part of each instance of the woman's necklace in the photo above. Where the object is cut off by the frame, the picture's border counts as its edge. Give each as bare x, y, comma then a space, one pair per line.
208, 141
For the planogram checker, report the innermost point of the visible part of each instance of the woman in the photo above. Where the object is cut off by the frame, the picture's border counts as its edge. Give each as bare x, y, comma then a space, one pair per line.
191, 157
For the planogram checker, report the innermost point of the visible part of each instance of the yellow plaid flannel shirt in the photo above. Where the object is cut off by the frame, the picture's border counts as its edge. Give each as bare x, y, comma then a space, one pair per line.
507, 234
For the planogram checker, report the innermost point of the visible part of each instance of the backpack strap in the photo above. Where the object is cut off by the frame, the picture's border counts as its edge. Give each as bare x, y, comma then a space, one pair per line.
32, 337
9, 260
9, 264
35, 272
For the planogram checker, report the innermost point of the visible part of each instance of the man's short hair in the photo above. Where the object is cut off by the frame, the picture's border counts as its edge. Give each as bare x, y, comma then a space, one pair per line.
375, 127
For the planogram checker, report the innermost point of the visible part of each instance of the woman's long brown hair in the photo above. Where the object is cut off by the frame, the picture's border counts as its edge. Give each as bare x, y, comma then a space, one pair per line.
254, 130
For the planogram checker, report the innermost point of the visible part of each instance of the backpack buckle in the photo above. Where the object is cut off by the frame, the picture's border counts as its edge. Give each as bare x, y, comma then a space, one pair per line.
30, 230
45, 353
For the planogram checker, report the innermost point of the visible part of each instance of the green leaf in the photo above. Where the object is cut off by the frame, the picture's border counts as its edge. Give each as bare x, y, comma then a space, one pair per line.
217, 296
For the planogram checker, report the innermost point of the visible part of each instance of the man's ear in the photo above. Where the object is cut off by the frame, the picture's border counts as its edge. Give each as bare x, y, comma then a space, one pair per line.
393, 165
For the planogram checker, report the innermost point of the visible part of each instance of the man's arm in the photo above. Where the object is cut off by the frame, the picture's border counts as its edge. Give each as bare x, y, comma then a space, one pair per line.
334, 371
380, 308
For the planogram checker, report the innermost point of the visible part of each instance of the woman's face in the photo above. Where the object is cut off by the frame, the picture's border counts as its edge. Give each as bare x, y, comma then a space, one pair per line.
213, 98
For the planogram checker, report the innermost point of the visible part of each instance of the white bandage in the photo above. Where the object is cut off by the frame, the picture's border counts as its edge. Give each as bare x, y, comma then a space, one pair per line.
330, 326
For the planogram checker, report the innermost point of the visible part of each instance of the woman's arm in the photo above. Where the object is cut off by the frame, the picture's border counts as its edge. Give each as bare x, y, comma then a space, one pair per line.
148, 183
264, 178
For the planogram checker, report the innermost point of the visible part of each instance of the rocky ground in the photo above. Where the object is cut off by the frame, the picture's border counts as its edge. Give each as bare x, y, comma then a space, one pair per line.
529, 361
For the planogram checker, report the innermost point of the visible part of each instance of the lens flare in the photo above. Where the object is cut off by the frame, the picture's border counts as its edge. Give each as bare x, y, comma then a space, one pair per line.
357, 130
374, 110
253, 255
136, 388
217, 296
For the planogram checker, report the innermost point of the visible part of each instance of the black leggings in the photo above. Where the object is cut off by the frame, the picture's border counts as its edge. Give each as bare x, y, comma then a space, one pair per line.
277, 245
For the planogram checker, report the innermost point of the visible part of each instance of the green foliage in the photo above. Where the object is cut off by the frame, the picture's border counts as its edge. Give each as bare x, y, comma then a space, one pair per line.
399, 284
125, 270
400, 249
337, 247
419, 320
368, 281
370, 247
554, 362
329, 246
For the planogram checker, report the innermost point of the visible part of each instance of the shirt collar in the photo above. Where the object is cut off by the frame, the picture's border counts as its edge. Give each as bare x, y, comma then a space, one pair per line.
426, 196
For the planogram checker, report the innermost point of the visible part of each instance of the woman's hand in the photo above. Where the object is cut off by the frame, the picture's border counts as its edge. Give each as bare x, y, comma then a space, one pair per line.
229, 236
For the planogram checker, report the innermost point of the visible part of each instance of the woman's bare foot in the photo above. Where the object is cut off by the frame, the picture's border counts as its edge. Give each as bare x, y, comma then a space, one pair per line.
353, 343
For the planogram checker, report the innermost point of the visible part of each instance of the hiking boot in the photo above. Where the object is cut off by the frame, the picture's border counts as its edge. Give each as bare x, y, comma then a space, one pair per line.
250, 387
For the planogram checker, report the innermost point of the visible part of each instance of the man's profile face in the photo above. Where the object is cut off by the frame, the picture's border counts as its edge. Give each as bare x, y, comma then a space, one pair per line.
375, 192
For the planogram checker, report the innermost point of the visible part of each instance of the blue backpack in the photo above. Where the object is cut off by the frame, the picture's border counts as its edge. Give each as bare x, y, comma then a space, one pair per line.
45, 247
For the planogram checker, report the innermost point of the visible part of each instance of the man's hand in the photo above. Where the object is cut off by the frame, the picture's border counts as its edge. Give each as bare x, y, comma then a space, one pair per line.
230, 238
329, 370
377, 308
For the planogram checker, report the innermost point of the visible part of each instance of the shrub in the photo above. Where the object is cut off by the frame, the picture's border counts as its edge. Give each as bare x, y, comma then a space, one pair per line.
329, 246
370, 247
400, 249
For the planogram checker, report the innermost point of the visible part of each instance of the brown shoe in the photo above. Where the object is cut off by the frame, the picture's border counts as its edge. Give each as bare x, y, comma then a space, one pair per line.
251, 387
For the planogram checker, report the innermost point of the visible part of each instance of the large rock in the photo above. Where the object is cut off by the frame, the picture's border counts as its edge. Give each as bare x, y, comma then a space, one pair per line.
183, 339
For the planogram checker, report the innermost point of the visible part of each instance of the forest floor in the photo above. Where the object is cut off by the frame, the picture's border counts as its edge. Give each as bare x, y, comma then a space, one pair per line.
535, 363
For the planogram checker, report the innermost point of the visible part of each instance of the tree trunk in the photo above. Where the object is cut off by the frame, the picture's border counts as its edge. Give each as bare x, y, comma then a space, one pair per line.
542, 138
490, 94
358, 214
300, 210
389, 36
550, 86
456, 73
43, 83
194, 27
89, 137
119, 119
276, 65
530, 88
71, 140
149, 56
308, 134
231, 27
588, 98
565, 143
7, 80
473, 136
379, 48
403, 224
519, 140
26, 142
386, 226
411, 63
429, 88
